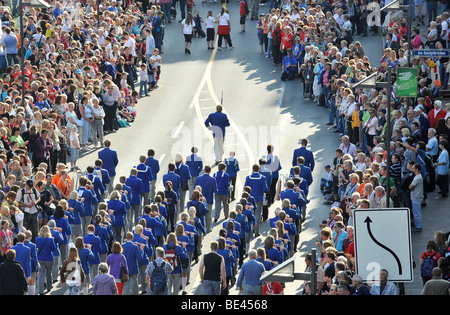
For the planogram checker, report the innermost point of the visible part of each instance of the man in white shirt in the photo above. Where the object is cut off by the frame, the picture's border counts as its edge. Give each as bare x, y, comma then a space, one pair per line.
445, 27
339, 16
130, 42
28, 197
347, 147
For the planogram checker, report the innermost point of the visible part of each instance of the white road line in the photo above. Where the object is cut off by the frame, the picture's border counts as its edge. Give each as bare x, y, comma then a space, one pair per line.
177, 131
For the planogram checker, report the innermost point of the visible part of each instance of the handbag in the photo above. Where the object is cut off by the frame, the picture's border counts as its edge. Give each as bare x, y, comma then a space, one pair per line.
185, 186
124, 277
48, 210
184, 262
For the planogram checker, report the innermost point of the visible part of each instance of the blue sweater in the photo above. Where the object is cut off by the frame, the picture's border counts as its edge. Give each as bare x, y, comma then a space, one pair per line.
45, 248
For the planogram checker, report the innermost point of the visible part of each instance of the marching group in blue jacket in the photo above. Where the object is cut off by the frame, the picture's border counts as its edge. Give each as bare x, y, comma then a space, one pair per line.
99, 217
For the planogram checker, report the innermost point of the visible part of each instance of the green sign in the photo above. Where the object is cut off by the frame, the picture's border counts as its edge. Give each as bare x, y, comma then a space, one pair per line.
406, 82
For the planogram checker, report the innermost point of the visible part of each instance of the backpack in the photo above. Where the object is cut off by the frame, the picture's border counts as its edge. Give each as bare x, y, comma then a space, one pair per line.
427, 266
158, 281
172, 258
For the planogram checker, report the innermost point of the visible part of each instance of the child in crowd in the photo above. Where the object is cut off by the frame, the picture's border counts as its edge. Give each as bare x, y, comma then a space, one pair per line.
326, 183
143, 89
151, 71
157, 58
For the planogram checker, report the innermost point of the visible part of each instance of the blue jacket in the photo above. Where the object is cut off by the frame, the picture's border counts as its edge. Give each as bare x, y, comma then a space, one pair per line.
267, 174
208, 185
183, 171
305, 173
94, 241
135, 183
103, 234
45, 248
303, 185
273, 164
133, 254
120, 211
63, 223
86, 257
154, 165
251, 220
251, 271
188, 227
78, 211
202, 209
223, 182
229, 260
180, 252
99, 189
232, 166
109, 159
245, 227
145, 174
23, 255
293, 213
195, 164
172, 200
58, 237
189, 242
237, 226
90, 200
104, 174
154, 223
294, 197
274, 255
257, 182
33, 253
146, 253
217, 121
307, 155
175, 179
267, 263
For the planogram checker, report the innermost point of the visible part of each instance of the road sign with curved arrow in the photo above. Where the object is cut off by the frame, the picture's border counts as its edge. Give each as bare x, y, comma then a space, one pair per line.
383, 241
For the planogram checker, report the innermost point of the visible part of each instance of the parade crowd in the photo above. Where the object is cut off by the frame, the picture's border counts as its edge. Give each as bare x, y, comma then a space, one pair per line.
100, 232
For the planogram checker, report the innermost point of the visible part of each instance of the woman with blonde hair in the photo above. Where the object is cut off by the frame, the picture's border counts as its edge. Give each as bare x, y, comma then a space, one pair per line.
74, 211
46, 246
117, 208
187, 242
174, 253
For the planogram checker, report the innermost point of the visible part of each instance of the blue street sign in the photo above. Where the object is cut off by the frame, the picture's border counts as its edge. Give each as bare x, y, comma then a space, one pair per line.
432, 53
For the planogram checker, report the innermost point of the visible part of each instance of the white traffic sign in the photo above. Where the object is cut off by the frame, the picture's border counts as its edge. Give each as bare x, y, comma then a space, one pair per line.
383, 241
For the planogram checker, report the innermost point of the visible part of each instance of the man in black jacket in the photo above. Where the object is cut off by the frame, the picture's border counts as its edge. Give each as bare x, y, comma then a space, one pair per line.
12, 276
404, 186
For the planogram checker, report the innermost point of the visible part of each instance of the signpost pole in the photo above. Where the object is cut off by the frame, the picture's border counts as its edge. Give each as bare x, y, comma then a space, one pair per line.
388, 136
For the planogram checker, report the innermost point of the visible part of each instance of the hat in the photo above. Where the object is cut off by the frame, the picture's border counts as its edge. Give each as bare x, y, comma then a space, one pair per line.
77, 71
327, 166
417, 109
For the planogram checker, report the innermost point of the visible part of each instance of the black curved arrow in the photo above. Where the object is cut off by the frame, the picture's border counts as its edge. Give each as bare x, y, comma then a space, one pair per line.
368, 221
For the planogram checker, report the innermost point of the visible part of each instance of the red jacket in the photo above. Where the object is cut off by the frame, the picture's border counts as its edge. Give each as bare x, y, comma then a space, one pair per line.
244, 8
433, 120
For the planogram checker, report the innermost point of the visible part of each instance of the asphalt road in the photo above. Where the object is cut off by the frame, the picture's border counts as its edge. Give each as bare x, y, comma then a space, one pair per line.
262, 110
